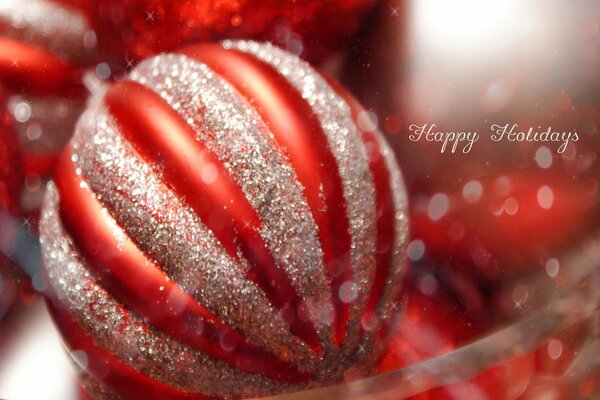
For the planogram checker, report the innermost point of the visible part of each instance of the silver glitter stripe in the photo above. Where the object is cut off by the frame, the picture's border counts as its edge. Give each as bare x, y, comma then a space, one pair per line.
347, 147
233, 131
172, 235
47, 24
122, 333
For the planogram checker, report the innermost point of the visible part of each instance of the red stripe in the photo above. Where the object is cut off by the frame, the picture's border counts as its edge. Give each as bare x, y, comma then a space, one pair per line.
39, 164
385, 206
107, 368
163, 138
27, 68
151, 294
298, 133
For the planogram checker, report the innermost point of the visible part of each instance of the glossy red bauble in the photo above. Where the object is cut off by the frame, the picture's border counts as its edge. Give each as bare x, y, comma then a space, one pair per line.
490, 227
265, 230
135, 29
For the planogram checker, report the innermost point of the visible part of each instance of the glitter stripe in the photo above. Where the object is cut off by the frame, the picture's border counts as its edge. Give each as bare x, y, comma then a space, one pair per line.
301, 138
23, 66
46, 24
389, 303
346, 145
116, 374
391, 237
164, 138
171, 234
152, 295
230, 128
119, 332
386, 213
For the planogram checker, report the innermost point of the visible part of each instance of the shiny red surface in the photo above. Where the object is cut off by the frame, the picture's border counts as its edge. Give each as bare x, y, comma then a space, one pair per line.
32, 69
486, 242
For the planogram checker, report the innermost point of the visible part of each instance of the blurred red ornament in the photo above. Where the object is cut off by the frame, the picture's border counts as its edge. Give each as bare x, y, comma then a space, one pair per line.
490, 226
44, 47
432, 325
265, 228
135, 29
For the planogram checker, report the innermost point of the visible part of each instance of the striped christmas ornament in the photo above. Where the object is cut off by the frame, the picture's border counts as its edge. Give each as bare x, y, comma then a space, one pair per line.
221, 226
44, 47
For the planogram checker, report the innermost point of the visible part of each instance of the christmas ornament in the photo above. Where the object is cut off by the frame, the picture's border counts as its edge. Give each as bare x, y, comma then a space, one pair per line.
136, 29
489, 227
263, 228
43, 49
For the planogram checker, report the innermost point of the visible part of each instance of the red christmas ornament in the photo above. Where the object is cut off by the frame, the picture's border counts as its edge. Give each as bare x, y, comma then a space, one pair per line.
432, 325
43, 49
135, 29
264, 229
491, 226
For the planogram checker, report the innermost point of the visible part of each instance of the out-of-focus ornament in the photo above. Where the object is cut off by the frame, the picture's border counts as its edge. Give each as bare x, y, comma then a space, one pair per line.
489, 227
264, 227
43, 49
135, 29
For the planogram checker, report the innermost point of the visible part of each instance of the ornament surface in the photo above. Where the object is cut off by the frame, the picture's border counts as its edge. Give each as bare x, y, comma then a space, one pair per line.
219, 217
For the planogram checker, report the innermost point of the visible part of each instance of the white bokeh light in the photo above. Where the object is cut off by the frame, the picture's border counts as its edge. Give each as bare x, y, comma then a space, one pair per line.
464, 28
